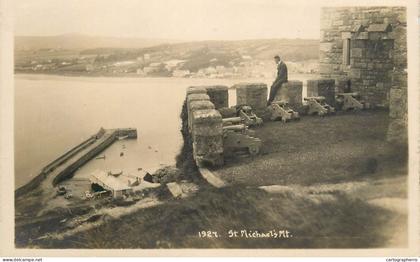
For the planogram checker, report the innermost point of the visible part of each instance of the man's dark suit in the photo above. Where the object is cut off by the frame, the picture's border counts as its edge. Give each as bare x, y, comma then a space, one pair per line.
281, 78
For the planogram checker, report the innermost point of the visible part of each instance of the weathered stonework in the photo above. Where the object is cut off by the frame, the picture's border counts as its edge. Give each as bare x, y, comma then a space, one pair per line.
365, 50
342, 85
322, 87
252, 94
218, 96
199, 105
377, 47
207, 134
196, 90
398, 114
291, 92
191, 98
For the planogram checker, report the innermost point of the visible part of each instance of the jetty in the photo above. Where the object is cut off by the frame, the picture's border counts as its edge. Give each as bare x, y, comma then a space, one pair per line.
67, 164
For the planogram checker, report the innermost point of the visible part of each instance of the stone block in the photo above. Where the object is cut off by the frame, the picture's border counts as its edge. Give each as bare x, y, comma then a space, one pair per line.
252, 94
197, 96
195, 106
207, 122
196, 90
398, 103
208, 145
326, 68
362, 36
291, 92
201, 104
358, 44
346, 35
191, 98
322, 87
357, 52
218, 95
355, 73
397, 132
207, 137
343, 85
399, 79
325, 47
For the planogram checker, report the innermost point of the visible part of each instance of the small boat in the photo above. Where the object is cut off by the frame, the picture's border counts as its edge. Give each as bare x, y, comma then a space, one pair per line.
101, 157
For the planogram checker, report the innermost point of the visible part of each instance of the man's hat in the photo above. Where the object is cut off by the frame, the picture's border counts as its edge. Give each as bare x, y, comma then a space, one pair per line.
277, 57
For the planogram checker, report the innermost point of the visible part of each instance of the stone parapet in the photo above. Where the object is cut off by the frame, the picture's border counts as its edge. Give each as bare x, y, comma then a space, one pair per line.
207, 136
291, 92
218, 96
322, 87
198, 105
196, 90
193, 98
252, 94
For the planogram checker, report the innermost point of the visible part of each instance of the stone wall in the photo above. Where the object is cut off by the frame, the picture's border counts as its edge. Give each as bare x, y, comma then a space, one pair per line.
291, 92
206, 128
205, 124
207, 134
377, 48
377, 65
252, 94
191, 98
219, 96
398, 111
322, 87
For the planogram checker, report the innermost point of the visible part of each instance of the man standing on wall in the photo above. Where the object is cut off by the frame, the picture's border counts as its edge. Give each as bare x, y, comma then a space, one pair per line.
281, 78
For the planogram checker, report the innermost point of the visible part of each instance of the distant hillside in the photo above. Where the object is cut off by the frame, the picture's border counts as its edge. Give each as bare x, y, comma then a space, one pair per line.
78, 41
261, 49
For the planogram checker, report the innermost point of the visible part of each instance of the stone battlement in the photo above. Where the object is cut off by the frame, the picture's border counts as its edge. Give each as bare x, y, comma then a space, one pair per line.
205, 124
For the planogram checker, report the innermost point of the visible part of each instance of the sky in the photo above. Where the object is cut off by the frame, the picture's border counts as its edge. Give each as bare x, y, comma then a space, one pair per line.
170, 19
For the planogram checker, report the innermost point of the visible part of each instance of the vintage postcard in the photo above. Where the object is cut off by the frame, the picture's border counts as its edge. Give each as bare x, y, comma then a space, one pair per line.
235, 127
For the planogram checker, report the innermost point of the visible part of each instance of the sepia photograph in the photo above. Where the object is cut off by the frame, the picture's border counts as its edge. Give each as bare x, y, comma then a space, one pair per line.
235, 124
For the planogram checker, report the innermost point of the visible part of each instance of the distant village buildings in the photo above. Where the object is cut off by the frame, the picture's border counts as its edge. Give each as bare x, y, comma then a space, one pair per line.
181, 73
160, 62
